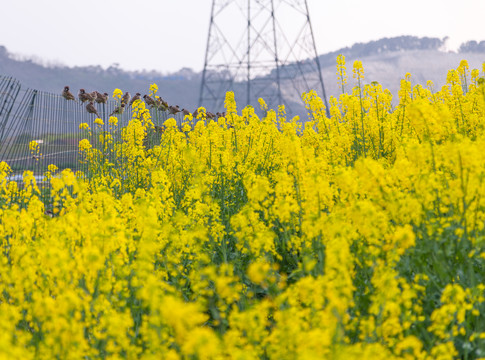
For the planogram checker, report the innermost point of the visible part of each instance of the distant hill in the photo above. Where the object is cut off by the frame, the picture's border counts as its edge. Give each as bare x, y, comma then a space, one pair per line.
386, 61
383, 46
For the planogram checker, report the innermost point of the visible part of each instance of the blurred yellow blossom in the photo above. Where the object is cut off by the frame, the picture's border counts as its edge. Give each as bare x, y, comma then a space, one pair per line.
117, 94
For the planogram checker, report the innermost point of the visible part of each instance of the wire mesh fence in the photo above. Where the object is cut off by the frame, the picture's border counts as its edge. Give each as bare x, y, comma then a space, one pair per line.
53, 122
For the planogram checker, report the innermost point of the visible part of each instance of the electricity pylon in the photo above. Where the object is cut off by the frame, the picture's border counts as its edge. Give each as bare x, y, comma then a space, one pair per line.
260, 48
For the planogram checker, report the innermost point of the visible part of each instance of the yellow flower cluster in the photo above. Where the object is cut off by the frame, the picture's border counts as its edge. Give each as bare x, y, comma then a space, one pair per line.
341, 73
84, 126
359, 236
99, 122
117, 94
113, 120
153, 89
34, 147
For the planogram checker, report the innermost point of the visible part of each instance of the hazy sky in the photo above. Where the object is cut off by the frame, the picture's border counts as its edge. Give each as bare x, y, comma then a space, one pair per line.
166, 35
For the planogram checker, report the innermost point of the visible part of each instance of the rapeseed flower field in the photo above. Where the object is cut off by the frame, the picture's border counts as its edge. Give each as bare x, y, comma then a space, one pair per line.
355, 236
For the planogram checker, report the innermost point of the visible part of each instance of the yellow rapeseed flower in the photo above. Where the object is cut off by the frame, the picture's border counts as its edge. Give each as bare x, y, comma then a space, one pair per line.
153, 88
113, 120
358, 70
84, 145
117, 94
34, 146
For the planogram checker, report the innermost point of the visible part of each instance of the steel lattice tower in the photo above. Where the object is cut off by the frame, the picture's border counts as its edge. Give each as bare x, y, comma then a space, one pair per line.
260, 48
